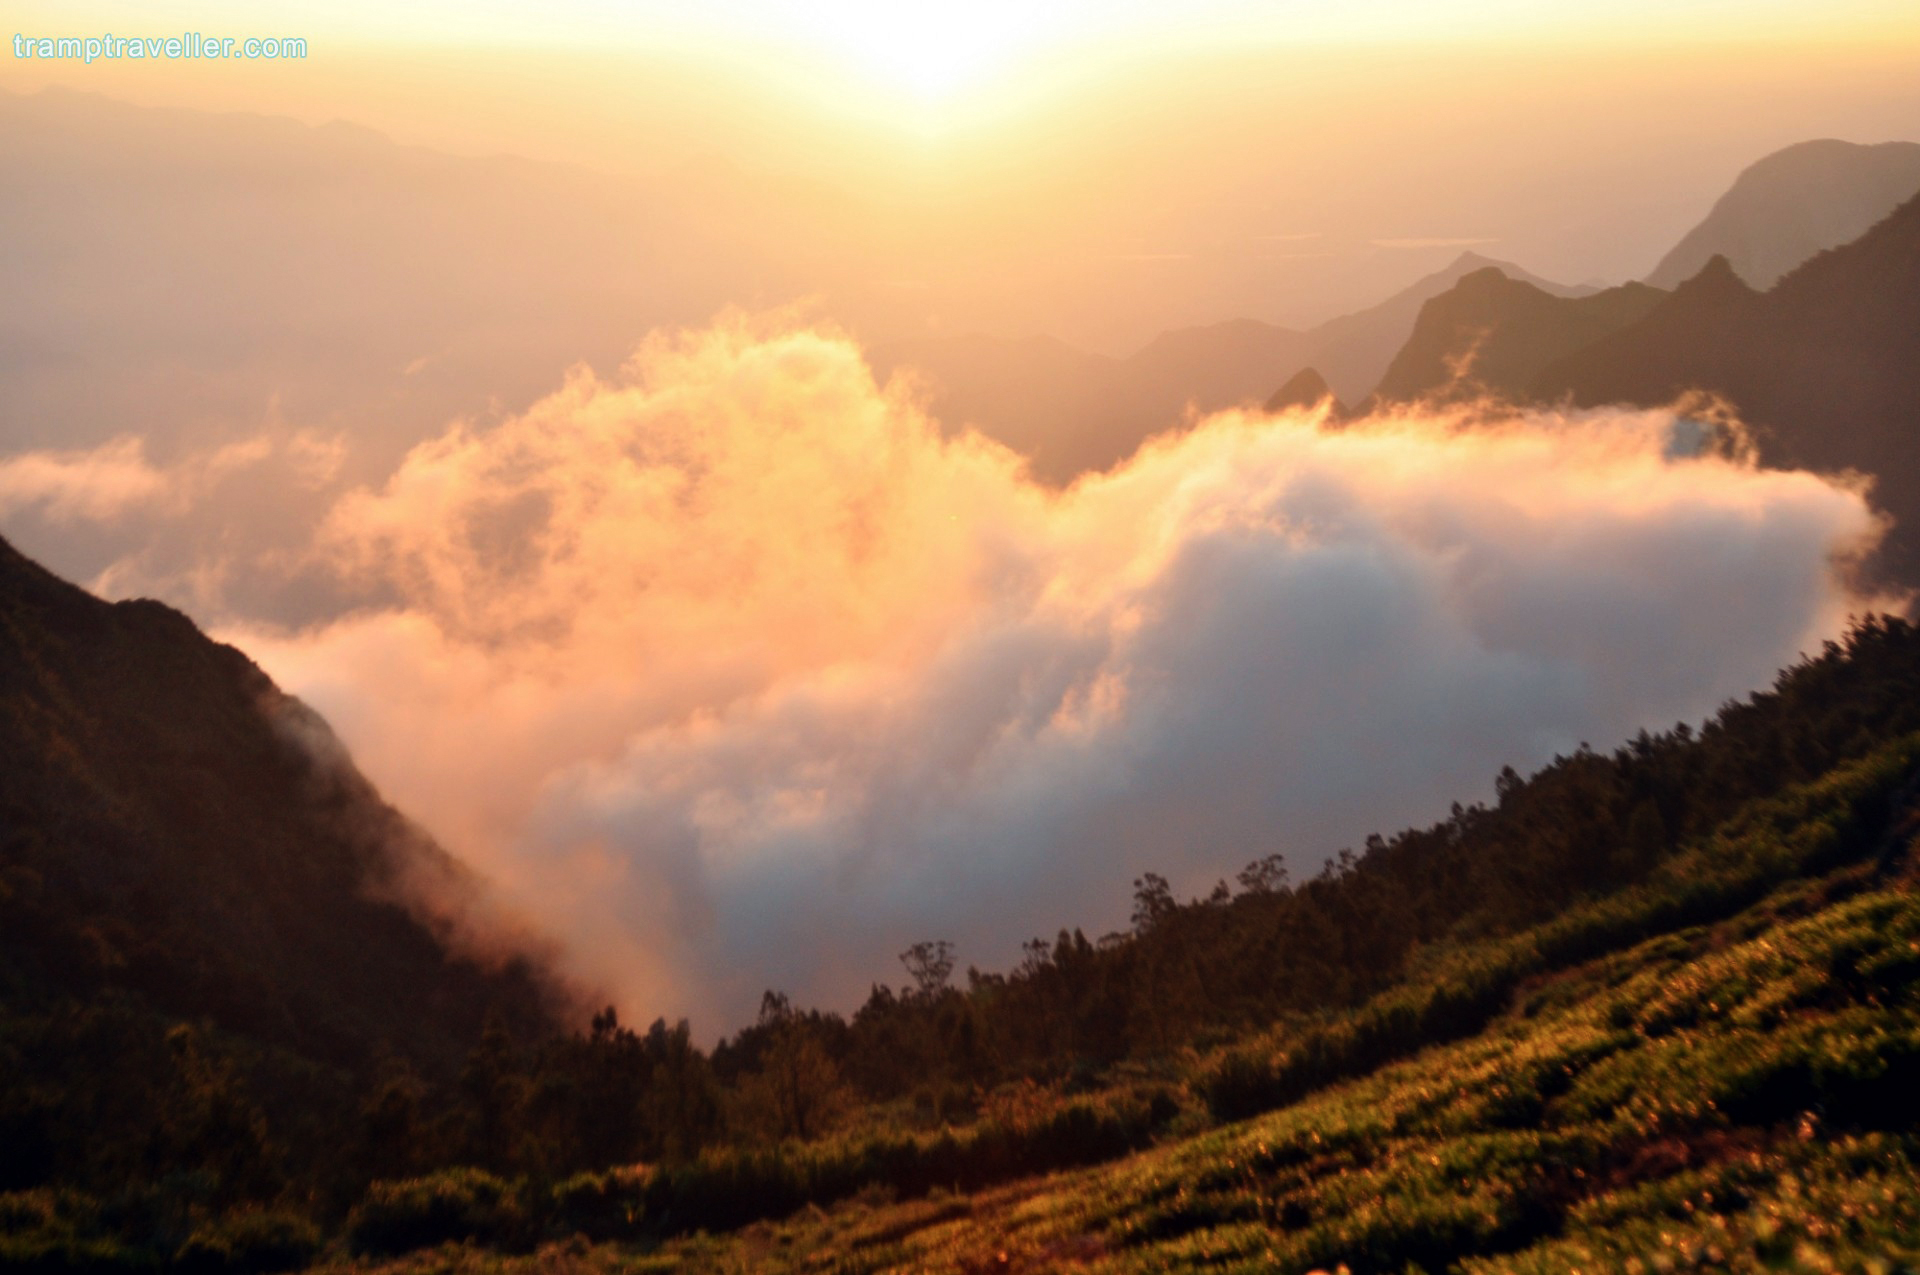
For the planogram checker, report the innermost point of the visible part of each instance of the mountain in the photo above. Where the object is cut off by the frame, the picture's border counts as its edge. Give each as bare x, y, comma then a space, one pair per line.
188, 832
184, 846
1307, 389
1489, 334
1792, 204
1826, 364
330, 270
1354, 351
1071, 411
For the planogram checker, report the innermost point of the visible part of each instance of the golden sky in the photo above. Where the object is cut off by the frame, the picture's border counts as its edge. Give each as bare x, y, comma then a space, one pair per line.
1093, 169
926, 66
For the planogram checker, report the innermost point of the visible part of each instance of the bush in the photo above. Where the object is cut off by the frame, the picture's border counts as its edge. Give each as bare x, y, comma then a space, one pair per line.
601, 1206
254, 1240
59, 1231
452, 1204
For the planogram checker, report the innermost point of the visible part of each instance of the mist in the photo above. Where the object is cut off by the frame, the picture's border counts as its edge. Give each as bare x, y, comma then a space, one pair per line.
735, 670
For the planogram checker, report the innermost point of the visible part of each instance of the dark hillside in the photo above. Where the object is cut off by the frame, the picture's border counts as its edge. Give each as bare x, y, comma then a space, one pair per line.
203, 959
172, 824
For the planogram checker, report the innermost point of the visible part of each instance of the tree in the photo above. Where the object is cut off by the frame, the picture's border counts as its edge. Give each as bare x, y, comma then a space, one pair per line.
930, 964
798, 1089
493, 1091
391, 1137
1036, 955
1152, 902
682, 1106
609, 1083
1266, 875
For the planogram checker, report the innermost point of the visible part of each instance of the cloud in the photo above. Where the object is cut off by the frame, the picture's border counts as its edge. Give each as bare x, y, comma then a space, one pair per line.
98, 485
737, 674
115, 480
218, 530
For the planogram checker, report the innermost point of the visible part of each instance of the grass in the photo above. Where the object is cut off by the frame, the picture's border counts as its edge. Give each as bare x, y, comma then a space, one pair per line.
1672, 1117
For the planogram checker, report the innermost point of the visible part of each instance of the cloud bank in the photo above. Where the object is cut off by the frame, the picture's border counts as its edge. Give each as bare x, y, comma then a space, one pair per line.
738, 674
112, 481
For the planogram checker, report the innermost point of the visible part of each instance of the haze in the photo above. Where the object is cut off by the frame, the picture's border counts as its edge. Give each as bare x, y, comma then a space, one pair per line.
555, 401
1108, 171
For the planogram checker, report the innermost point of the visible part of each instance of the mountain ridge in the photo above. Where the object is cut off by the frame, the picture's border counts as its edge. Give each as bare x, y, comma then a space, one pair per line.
1822, 364
1071, 411
1789, 205
1491, 334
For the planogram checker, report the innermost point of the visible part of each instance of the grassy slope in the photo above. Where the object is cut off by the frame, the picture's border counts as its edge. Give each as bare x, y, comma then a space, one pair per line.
1720, 1068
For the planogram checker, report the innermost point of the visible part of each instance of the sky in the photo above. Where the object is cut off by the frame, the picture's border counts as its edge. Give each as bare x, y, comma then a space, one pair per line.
501, 378
1101, 171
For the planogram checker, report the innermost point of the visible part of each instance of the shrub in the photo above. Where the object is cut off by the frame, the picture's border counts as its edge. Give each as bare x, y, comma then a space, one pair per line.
601, 1206
453, 1204
253, 1240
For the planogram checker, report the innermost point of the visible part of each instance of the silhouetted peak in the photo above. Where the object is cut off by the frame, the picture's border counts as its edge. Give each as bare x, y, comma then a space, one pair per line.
1306, 388
1485, 281
13, 562
1819, 156
1716, 281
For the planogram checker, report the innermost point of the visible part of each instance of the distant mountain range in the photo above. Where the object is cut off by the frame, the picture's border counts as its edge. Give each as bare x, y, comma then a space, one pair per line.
1826, 364
1479, 325
1792, 204
356, 283
1071, 411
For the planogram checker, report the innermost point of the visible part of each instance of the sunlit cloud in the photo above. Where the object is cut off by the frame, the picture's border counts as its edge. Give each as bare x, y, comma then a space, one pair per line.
116, 479
736, 672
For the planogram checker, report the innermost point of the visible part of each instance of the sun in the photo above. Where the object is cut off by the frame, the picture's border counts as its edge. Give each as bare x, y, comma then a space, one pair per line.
934, 50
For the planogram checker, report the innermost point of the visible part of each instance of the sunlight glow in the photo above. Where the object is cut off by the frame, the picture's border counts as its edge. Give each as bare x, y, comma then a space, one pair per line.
936, 49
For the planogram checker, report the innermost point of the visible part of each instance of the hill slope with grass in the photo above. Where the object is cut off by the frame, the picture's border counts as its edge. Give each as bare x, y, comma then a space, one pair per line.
1715, 1068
